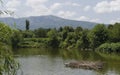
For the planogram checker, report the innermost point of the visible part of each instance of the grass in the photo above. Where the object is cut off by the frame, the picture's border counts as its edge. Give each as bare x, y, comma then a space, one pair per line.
34, 43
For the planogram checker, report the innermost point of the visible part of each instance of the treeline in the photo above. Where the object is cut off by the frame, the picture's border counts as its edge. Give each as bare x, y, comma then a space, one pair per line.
69, 37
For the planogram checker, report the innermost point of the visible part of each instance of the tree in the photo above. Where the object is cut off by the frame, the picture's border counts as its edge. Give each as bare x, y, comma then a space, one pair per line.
5, 33
27, 24
65, 32
70, 40
78, 30
28, 34
98, 35
83, 41
110, 26
114, 33
7, 64
53, 38
40, 32
68, 29
4, 11
16, 38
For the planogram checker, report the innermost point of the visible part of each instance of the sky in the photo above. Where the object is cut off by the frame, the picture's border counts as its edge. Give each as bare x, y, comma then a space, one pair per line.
100, 11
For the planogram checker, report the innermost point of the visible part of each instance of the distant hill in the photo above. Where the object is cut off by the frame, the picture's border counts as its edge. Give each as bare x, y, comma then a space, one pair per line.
48, 21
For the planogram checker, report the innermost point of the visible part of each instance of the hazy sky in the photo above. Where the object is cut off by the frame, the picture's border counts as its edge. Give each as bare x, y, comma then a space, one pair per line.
103, 11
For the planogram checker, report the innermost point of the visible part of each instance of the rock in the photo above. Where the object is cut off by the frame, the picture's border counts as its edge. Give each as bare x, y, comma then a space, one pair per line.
86, 65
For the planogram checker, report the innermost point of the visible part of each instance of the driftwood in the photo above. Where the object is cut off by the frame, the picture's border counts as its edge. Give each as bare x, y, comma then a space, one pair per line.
86, 65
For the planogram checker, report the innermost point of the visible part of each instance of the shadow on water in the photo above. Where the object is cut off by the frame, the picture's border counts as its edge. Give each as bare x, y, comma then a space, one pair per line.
112, 61
36, 51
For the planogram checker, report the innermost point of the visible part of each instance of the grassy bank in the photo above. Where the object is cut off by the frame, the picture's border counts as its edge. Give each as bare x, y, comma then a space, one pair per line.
33, 42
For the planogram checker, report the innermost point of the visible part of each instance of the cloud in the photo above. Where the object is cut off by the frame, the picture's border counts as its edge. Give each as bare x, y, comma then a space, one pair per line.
95, 20
35, 3
38, 8
115, 20
84, 18
75, 4
41, 10
43, 7
107, 6
71, 4
12, 5
66, 14
87, 8
55, 6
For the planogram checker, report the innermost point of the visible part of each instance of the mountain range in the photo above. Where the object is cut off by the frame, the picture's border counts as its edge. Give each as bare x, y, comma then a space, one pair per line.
48, 21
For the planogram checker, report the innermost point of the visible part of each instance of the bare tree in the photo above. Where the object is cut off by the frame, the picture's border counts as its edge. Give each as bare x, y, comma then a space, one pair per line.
4, 11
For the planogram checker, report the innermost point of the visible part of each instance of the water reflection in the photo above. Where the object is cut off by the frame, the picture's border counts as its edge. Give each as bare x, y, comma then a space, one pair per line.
52, 60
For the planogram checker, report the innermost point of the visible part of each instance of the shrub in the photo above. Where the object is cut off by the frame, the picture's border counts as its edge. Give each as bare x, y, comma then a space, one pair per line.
109, 47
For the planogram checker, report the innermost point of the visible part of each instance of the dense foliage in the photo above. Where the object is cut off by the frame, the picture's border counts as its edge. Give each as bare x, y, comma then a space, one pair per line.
8, 65
68, 37
109, 47
98, 35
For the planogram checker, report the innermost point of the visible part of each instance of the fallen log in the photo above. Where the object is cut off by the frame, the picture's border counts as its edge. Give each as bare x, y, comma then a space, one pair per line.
86, 65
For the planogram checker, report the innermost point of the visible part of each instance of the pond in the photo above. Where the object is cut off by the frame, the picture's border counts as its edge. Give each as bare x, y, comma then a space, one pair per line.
51, 62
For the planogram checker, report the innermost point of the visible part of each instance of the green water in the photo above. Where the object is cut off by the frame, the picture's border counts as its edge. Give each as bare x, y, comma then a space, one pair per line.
51, 62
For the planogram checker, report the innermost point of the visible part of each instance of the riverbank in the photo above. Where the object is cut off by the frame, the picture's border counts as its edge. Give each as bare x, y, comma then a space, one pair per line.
45, 43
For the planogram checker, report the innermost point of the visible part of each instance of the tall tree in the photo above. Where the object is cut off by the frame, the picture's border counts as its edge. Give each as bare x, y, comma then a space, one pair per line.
27, 24
98, 35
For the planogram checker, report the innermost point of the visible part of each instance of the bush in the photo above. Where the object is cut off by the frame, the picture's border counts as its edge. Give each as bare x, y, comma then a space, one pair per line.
109, 47
8, 66
34, 42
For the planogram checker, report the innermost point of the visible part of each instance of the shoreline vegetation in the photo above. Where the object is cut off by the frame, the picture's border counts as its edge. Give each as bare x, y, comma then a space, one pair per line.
102, 38
105, 39
8, 65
